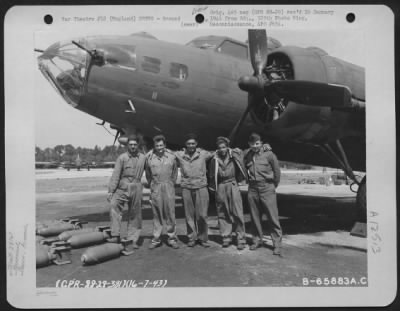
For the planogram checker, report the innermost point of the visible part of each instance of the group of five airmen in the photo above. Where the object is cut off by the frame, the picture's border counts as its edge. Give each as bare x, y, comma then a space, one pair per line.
226, 168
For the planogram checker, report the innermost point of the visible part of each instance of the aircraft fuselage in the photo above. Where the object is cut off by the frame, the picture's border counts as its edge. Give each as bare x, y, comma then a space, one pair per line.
162, 87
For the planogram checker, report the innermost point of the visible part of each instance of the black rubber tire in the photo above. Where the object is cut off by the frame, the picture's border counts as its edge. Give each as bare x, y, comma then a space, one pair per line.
361, 201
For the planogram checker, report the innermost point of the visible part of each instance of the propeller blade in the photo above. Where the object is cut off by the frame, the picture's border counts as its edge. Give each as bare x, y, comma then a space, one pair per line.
312, 93
254, 85
258, 48
238, 125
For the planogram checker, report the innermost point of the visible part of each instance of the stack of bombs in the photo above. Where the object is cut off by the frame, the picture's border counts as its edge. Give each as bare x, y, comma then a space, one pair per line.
56, 239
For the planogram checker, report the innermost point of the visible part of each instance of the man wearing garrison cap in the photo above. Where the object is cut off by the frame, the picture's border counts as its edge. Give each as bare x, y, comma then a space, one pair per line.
226, 171
125, 187
264, 176
192, 162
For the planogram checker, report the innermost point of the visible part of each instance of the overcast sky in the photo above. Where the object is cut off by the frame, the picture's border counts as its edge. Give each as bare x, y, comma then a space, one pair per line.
59, 123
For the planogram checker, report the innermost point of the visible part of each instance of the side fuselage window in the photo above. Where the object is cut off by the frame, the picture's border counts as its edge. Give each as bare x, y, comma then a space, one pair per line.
151, 64
123, 56
178, 71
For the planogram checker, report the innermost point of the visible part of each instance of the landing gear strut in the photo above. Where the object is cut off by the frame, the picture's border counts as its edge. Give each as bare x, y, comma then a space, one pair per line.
340, 158
362, 200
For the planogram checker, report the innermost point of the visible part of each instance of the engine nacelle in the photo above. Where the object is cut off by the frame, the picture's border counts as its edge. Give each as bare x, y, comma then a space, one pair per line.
314, 64
308, 121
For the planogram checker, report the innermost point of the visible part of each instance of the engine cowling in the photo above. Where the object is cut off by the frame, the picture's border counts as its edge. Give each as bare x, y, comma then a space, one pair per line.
303, 64
314, 64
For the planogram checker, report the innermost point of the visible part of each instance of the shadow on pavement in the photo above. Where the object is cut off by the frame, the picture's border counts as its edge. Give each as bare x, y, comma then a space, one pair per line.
299, 213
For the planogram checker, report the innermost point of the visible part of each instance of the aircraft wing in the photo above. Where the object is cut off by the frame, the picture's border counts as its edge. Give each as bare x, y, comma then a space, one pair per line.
316, 94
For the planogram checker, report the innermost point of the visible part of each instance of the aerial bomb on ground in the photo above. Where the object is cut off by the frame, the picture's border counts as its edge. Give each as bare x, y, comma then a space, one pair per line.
50, 223
58, 254
64, 236
90, 238
101, 253
57, 228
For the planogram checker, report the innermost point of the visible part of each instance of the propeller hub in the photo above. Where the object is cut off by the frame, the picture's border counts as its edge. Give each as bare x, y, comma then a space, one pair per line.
251, 83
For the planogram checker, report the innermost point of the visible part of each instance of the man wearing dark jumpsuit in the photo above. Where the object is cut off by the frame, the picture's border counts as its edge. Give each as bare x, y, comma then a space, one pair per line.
125, 187
264, 176
161, 174
192, 162
226, 171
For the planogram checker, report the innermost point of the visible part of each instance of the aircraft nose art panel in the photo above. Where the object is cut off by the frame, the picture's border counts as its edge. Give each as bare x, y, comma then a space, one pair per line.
65, 66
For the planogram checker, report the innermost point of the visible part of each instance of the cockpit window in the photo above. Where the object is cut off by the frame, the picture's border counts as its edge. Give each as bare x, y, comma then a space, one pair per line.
204, 44
73, 54
178, 71
234, 49
151, 64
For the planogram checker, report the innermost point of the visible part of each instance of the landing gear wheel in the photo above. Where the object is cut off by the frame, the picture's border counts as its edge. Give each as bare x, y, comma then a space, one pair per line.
361, 201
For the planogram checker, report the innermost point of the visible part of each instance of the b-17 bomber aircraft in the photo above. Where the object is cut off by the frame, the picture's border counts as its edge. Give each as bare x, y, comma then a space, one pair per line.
309, 105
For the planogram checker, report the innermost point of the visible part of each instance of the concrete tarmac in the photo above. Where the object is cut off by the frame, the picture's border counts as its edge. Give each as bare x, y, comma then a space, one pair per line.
316, 221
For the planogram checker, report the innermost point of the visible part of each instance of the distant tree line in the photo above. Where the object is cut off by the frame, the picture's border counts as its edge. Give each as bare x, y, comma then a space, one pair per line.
68, 153
292, 165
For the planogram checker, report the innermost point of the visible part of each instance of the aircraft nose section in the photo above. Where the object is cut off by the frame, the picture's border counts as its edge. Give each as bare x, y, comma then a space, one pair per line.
65, 66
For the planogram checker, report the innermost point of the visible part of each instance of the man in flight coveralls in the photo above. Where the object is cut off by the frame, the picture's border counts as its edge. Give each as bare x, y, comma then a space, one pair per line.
226, 171
192, 162
161, 173
264, 176
125, 187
